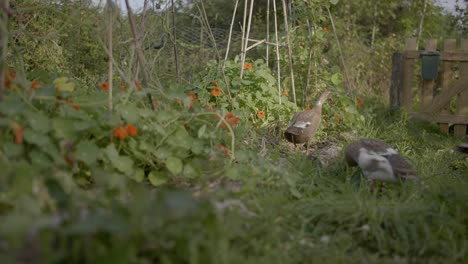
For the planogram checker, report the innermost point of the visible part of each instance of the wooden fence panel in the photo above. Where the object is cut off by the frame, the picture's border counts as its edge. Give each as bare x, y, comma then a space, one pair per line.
408, 74
462, 101
446, 77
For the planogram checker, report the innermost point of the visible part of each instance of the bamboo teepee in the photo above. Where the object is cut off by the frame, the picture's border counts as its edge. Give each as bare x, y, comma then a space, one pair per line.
246, 23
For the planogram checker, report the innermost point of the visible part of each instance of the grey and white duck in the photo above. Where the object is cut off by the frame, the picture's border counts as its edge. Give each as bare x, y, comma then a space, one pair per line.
379, 161
304, 125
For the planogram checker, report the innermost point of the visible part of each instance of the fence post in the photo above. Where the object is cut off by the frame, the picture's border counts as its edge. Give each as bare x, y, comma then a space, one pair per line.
462, 100
396, 84
446, 78
427, 91
408, 74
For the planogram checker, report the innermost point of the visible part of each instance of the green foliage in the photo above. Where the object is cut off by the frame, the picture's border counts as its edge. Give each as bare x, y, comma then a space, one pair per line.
255, 92
79, 184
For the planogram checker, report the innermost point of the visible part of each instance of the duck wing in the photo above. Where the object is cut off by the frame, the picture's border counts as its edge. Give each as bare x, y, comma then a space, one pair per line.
401, 168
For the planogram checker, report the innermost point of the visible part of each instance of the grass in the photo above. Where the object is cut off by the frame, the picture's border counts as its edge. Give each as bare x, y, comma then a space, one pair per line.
338, 219
300, 212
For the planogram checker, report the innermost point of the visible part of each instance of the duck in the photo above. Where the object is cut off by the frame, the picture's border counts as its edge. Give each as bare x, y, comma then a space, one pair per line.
462, 148
304, 124
379, 161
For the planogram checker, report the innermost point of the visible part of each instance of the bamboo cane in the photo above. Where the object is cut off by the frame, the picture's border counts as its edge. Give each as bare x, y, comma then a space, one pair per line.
278, 70
246, 38
288, 43
110, 7
174, 37
268, 32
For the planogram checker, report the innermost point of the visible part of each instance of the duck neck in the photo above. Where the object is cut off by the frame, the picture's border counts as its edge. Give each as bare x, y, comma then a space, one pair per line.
322, 98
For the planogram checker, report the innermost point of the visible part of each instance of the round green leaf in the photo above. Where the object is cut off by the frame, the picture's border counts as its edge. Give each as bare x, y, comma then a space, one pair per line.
174, 165
157, 178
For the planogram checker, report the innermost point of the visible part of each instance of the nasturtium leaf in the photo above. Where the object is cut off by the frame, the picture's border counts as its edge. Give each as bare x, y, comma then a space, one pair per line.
164, 116
87, 152
334, 2
189, 171
163, 153
145, 113
201, 131
336, 79
157, 178
174, 165
130, 113
38, 122
234, 173
12, 105
63, 128
139, 175
12, 150
111, 152
39, 159
180, 139
198, 146
36, 138
64, 84
123, 164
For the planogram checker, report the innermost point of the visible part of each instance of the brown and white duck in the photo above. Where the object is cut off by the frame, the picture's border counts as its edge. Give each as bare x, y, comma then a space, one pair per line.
379, 161
304, 124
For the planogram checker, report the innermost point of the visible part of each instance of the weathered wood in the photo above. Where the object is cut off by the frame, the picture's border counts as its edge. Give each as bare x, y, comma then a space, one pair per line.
454, 56
446, 78
444, 55
397, 78
462, 100
441, 118
441, 100
427, 91
408, 75
412, 54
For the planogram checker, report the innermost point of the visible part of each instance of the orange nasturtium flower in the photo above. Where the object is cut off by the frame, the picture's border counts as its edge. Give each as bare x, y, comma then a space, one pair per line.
325, 29
19, 134
285, 93
359, 102
247, 66
122, 86
214, 83
12, 74
261, 114
131, 130
192, 96
230, 119
104, 86
216, 91
210, 107
223, 149
308, 107
35, 85
137, 86
120, 132
7, 82
76, 107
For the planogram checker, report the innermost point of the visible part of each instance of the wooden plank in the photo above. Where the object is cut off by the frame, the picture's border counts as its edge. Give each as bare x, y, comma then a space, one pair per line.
446, 78
455, 87
397, 78
412, 54
441, 118
454, 56
462, 100
408, 75
427, 91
